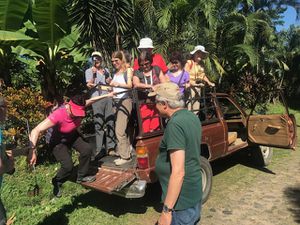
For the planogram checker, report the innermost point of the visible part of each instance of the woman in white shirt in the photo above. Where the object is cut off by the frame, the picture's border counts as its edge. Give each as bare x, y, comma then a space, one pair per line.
122, 81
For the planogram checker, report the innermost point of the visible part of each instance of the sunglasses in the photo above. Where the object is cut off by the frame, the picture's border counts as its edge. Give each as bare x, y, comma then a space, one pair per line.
116, 60
146, 64
175, 62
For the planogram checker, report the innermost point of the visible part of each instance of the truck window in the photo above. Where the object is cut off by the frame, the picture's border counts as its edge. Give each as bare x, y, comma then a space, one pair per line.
229, 110
207, 113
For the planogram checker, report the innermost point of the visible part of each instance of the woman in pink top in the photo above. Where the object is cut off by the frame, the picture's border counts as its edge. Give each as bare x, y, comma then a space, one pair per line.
64, 122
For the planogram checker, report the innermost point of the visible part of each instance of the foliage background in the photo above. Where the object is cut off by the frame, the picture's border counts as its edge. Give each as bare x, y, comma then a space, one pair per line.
52, 40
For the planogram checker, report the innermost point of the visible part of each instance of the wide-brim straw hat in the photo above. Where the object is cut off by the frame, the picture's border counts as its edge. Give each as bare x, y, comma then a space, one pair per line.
200, 48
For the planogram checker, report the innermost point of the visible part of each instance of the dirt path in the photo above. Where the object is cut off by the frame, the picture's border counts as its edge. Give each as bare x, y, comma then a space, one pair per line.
260, 197
244, 195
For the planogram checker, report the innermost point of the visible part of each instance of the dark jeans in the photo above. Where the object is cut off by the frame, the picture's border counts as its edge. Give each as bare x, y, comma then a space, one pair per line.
63, 155
188, 216
104, 118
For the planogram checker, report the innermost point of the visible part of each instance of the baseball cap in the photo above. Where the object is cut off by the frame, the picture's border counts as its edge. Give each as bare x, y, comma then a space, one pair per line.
200, 48
77, 110
146, 43
96, 56
167, 90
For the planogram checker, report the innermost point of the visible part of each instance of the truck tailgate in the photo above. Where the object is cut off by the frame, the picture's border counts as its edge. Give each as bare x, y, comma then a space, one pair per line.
108, 180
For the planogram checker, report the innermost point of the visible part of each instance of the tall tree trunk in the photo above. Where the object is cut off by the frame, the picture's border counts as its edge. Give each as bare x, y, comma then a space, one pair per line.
48, 82
118, 41
5, 65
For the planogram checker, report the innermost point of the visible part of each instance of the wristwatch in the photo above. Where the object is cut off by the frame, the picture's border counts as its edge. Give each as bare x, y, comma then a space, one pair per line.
166, 209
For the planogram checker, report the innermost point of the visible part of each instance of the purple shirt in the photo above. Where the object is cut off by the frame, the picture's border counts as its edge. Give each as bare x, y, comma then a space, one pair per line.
183, 78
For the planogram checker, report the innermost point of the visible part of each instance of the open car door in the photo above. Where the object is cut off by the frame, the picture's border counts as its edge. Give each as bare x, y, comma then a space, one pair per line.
276, 130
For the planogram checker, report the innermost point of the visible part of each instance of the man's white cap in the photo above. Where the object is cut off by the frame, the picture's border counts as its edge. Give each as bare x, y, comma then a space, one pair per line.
200, 48
146, 43
97, 54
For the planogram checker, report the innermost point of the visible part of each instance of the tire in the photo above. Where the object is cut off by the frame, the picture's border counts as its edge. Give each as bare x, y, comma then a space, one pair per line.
206, 174
261, 155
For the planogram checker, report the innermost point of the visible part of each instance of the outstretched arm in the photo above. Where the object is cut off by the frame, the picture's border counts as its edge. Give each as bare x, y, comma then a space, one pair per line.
34, 136
97, 98
205, 78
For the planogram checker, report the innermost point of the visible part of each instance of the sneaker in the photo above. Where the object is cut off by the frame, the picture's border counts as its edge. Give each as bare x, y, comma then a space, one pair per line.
56, 188
117, 159
120, 161
112, 152
88, 179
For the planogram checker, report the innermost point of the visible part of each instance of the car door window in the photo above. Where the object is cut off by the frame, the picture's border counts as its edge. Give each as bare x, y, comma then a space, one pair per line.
229, 110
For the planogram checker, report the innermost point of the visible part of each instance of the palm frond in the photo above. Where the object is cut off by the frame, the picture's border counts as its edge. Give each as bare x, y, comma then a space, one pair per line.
246, 50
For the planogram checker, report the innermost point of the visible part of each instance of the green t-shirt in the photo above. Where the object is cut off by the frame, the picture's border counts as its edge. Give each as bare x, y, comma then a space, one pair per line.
182, 132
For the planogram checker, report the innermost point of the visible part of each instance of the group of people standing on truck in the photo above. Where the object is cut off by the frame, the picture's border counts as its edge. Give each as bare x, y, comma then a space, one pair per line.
110, 97
148, 70
177, 165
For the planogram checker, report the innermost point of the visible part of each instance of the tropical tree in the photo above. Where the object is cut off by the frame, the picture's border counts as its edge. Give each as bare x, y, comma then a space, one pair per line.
246, 53
290, 40
50, 46
105, 25
11, 19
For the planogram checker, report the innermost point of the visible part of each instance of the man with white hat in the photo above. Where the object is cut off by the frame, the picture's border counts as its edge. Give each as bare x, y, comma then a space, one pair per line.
146, 44
103, 109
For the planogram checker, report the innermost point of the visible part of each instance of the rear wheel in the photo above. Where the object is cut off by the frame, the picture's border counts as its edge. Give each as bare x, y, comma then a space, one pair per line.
206, 174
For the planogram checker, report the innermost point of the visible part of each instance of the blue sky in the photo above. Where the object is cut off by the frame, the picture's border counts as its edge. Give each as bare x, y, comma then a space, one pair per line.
289, 18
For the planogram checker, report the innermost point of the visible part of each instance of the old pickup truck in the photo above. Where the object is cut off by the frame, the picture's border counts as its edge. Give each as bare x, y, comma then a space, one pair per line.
226, 128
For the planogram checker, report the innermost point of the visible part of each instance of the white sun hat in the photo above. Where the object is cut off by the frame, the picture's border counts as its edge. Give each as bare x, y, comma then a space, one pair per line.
200, 48
146, 43
96, 56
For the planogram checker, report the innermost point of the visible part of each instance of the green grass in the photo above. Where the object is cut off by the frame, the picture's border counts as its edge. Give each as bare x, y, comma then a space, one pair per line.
279, 108
77, 206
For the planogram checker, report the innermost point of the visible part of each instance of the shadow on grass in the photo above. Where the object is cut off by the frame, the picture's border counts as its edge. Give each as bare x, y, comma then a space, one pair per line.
293, 196
110, 204
238, 158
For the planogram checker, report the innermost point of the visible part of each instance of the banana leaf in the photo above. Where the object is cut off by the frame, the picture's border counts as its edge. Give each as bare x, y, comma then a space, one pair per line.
51, 20
12, 14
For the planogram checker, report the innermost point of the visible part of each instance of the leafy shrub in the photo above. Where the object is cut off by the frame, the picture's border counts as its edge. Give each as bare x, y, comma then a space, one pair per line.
252, 89
23, 105
27, 105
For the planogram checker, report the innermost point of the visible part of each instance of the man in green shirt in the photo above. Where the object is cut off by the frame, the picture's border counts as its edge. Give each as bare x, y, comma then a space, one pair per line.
178, 163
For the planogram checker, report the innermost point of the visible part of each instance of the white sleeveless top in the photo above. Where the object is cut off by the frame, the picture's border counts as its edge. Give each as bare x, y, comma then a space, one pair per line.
120, 79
